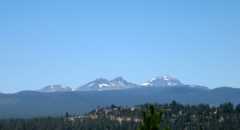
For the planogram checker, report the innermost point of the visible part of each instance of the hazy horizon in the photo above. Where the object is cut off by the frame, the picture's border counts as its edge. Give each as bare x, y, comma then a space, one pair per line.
74, 42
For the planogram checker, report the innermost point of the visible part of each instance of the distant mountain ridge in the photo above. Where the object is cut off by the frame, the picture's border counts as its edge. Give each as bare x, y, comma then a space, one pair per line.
119, 83
35, 104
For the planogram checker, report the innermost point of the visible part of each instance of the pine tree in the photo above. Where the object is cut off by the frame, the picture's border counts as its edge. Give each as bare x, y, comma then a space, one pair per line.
151, 119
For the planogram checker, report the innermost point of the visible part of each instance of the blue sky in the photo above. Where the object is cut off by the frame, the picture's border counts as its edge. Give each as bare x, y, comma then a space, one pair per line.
72, 42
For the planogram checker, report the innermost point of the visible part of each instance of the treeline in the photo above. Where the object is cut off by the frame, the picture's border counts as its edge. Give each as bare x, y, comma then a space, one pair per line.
172, 116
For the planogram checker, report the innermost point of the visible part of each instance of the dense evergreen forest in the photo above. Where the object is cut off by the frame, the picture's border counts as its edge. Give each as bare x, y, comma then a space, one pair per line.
171, 116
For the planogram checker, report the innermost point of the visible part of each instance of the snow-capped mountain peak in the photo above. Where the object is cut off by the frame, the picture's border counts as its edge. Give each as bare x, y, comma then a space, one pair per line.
163, 81
120, 82
119, 79
97, 84
55, 88
104, 84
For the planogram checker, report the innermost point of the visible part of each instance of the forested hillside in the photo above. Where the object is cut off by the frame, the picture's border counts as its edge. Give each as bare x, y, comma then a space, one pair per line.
174, 116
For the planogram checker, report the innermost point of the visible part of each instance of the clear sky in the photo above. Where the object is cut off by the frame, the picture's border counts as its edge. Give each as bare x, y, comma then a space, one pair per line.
71, 42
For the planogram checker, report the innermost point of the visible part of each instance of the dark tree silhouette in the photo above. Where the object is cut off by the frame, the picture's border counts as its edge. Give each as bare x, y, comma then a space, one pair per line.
151, 119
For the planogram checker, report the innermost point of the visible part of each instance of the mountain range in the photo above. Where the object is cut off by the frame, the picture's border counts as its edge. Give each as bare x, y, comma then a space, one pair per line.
118, 83
55, 100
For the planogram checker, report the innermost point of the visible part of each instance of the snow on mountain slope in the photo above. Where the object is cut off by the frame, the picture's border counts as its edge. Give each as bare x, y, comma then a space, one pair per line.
104, 84
164, 81
119, 83
55, 88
